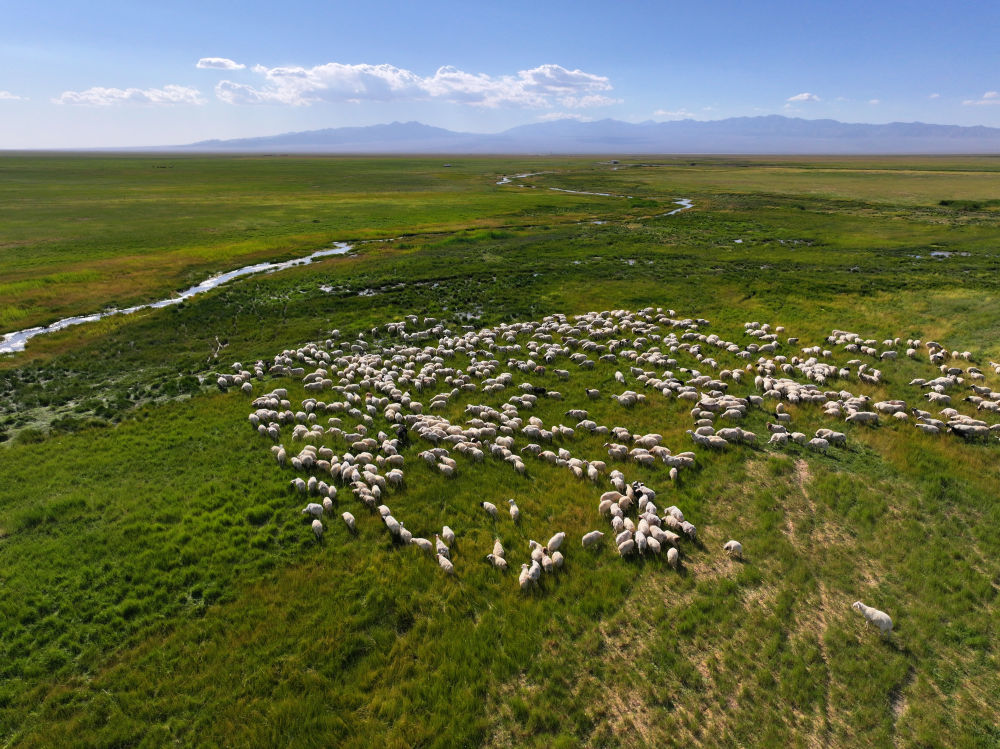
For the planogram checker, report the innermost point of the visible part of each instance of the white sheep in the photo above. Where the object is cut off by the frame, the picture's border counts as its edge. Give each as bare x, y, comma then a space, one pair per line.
499, 562
524, 579
313, 509
423, 544
515, 513
349, 520
733, 548
446, 564
556, 541
491, 509
673, 557
873, 616
448, 535
498, 549
592, 539
439, 546
317, 527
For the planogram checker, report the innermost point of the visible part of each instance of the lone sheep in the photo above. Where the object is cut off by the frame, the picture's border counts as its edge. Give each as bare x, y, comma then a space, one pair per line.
873, 616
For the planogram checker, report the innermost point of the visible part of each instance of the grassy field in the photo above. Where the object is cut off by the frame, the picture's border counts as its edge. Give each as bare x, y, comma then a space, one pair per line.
160, 586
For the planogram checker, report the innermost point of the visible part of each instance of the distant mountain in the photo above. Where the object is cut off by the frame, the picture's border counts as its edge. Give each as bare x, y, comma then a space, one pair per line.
748, 135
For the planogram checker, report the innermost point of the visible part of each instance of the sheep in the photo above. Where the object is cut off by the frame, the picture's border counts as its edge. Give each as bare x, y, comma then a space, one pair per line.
423, 544
491, 509
592, 539
448, 535
515, 513
819, 444
524, 579
873, 616
673, 557
556, 541
498, 550
440, 547
499, 562
689, 530
313, 509
349, 520
446, 564
317, 527
733, 549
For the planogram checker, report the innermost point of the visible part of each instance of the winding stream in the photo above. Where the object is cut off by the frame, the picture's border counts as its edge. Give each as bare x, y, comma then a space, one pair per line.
17, 340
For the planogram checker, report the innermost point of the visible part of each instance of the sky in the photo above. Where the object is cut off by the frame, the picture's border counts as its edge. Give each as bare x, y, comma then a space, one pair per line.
136, 73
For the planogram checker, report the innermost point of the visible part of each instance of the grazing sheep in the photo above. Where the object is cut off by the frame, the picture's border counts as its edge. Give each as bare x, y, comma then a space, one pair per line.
491, 509
499, 562
423, 544
515, 513
734, 549
498, 549
440, 548
524, 579
313, 509
448, 535
873, 616
592, 539
446, 564
558, 559
349, 520
673, 557
317, 527
689, 530
556, 541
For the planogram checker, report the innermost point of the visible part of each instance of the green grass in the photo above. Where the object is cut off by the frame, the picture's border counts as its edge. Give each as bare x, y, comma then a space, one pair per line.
159, 584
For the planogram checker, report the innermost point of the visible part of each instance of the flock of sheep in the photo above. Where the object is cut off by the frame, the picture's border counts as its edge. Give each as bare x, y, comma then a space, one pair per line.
361, 396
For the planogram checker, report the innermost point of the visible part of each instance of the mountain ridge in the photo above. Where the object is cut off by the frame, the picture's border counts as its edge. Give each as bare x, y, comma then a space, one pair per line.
751, 135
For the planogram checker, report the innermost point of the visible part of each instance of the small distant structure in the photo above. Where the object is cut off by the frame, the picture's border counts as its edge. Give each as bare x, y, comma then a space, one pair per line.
447, 165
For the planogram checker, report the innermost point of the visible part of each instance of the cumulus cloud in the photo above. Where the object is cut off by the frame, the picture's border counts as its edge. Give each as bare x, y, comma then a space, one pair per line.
8, 96
987, 99
105, 97
934, 96
541, 87
805, 96
219, 63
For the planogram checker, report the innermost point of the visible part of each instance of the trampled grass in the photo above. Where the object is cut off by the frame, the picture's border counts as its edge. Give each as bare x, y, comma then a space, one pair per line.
161, 586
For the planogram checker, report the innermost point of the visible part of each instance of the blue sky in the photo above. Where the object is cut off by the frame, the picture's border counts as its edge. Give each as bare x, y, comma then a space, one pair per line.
134, 73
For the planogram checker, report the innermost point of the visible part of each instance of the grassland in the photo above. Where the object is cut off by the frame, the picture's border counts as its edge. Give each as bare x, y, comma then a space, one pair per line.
160, 587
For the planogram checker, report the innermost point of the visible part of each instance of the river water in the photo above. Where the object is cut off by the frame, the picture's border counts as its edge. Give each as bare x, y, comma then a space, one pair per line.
17, 340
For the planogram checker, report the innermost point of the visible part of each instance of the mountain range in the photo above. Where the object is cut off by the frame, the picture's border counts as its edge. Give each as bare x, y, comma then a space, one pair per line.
772, 134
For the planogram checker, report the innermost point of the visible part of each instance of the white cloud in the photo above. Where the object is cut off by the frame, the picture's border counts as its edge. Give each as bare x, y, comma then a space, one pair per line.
219, 63
987, 99
934, 96
8, 96
805, 96
874, 101
104, 97
539, 87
